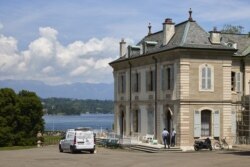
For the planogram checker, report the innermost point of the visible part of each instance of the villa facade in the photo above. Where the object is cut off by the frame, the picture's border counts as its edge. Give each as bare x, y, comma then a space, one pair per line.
182, 77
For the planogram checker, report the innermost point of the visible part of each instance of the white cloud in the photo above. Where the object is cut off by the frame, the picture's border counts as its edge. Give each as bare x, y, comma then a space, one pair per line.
8, 53
42, 47
79, 71
48, 60
48, 32
48, 70
102, 63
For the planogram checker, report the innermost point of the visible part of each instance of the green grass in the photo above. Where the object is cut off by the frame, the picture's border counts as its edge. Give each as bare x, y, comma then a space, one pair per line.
48, 140
51, 140
16, 148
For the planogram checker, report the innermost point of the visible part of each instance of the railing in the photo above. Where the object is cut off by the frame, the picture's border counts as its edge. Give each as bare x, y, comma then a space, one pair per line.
243, 140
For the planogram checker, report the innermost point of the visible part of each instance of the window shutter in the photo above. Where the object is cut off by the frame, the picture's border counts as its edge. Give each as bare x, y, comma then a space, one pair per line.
124, 84
238, 83
153, 80
147, 80
133, 82
168, 78
208, 78
197, 124
233, 123
172, 77
139, 82
217, 124
203, 78
163, 79
119, 83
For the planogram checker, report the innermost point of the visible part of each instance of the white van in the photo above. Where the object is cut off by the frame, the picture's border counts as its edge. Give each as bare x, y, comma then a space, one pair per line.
77, 140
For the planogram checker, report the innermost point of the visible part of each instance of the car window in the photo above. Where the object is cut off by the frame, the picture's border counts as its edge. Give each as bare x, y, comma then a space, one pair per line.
84, 135
70, 135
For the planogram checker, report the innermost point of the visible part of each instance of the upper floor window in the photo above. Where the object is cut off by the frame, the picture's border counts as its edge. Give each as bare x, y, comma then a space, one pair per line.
122, 83
167, 77
236, 81
206, 77
150, 80
136, 82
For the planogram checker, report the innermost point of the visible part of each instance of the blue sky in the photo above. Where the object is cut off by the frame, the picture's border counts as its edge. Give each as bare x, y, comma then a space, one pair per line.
60, 41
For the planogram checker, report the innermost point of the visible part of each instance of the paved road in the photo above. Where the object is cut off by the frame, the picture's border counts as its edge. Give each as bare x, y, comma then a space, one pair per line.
50, 157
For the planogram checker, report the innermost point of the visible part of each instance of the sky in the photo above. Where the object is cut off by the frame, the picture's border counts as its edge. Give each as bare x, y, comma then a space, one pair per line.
63, 42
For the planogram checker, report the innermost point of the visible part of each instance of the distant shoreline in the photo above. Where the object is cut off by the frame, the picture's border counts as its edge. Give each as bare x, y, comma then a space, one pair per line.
79, 114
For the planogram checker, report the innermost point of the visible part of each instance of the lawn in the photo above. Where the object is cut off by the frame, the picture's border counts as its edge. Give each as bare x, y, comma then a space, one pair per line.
48, 140
16, 148
52, 140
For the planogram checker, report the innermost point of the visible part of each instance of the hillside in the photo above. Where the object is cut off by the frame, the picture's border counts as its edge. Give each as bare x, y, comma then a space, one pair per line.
65, 106
99, 91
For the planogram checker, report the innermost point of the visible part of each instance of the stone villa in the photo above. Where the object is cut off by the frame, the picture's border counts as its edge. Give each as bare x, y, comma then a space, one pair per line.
185, 78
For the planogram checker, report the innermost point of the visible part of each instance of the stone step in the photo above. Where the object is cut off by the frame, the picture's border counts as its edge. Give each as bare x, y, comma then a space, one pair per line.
144, 148
152, 149
171, 149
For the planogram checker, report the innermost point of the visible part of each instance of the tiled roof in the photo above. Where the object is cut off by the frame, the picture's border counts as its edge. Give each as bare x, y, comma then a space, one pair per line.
188, 34
242, 40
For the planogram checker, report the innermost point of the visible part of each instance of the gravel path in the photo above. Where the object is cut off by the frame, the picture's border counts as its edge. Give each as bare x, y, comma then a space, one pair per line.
49, 156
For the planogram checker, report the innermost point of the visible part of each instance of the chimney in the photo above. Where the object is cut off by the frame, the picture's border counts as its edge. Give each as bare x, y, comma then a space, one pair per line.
168, 30
215, 36
122, 48
149, 29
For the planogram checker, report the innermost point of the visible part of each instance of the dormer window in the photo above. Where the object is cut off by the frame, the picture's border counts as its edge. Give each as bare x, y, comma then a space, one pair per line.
232, 45
148, 45
133, 51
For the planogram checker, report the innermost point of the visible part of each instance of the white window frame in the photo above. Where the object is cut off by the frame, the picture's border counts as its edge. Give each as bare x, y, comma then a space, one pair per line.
121, 83
167, 79
206, 78
136, 82
237, 80
150, 80
215, 122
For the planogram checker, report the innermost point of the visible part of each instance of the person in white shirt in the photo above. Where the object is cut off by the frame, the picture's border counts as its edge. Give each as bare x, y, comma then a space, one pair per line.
173, 134
165, 135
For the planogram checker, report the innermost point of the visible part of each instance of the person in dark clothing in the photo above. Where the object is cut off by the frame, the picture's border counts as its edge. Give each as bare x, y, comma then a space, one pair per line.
173, 134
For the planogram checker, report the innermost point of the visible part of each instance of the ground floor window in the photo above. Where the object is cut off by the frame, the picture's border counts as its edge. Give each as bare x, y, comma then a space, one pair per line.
136, 121
206, 123
150, 129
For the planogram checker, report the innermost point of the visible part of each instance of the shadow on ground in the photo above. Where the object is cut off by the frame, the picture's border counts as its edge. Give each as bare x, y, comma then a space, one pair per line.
240, 153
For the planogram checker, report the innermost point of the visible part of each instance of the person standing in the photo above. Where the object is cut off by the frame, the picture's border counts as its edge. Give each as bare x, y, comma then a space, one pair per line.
165, 135
173, 134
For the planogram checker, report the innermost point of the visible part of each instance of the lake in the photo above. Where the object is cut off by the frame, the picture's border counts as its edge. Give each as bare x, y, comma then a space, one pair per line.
62, 123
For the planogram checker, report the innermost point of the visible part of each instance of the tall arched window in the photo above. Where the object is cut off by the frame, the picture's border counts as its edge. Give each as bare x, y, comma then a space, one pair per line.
206, 123
206, 77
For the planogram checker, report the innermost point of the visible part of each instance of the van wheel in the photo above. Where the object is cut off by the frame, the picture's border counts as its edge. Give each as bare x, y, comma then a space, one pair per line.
60, 148
92, 151
72, 151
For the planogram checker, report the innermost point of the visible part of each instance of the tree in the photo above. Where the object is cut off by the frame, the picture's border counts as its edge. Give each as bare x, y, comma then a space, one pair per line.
8, 110
30, 119
228, 28
20, 117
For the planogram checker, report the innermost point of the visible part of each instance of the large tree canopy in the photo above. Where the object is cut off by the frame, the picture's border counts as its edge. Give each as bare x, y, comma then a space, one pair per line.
20, 117
228, 28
